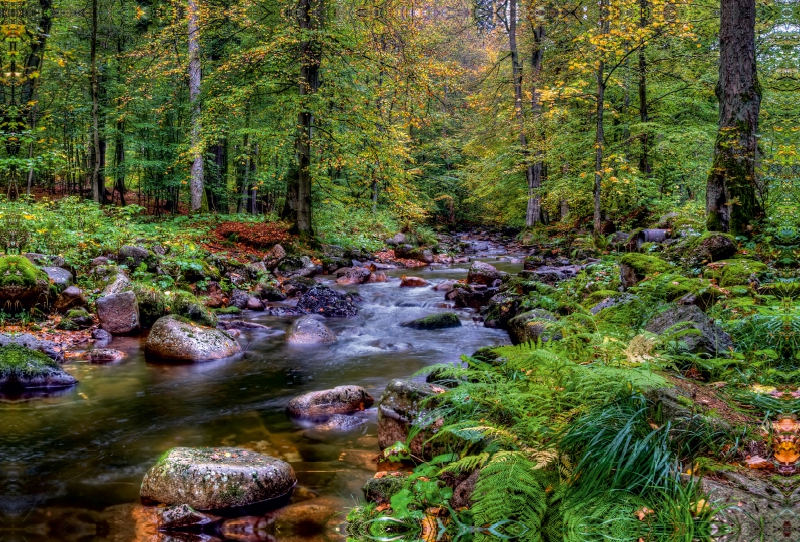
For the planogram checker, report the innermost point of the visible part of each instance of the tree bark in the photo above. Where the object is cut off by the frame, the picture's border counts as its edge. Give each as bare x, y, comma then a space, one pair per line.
196, 182
309, 19
97, 195
644, 114
534, 171
600, 138
731, 202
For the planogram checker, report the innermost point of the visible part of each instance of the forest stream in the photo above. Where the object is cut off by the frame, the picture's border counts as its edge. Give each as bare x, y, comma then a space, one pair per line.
76, 458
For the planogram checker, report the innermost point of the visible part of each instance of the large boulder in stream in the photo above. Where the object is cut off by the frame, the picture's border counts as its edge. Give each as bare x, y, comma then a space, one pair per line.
327, 302
434, 321
707, 337
339, 400
22, 284
174, 338
22, 367
483, 273
309, 330
217, 478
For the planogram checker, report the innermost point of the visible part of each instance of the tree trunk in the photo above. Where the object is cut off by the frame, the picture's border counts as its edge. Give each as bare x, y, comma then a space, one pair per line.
516, 75
731, 202
97, 195
534, 213
196, 182
644, 115
309, 20
600, 137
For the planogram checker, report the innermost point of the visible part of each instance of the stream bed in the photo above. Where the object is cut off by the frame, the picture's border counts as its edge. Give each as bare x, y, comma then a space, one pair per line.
71, 463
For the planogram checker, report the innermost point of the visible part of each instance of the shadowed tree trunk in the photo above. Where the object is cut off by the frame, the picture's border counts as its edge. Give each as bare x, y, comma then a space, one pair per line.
731, 202
97, 192
600, 137
196, 183
309, 19
535, 170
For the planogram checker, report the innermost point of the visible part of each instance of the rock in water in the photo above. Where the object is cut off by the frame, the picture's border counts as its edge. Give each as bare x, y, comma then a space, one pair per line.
118, 313
217, 478
309, 330
413, 282
434, 321
21, 367
22, 284
104, 355
174, 338
339, 400
327, 302
483, 273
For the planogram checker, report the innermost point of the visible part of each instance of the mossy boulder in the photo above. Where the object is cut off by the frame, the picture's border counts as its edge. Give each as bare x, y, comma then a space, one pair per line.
174, 338
599, 296
707, 337
76, 319
60, 278
404, 403
22, 284
709, 247
531, 326
21, 367
187, 305
635, 267
735, 272
381, 490
434, 321
217, 478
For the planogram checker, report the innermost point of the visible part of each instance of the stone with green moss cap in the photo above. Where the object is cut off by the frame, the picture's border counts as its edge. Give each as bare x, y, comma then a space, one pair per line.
174, 338
217, 478
22, 367
22, 284
434, 321
635, 267
735, 272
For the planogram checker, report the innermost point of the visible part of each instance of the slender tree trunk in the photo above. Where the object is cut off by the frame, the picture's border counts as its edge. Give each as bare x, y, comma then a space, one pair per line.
600, 137
731, 202
97, 195
535, 170
309, 19
516, 75
644, 114
119, 161
196, 182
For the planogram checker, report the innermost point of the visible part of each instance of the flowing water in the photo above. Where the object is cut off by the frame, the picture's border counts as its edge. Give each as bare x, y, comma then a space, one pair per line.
71, 463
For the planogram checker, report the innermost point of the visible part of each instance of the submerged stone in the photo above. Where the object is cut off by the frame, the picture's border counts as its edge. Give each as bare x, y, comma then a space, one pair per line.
434, 321
217, 478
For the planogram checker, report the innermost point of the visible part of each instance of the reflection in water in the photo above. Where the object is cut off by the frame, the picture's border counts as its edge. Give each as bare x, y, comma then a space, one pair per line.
72, 462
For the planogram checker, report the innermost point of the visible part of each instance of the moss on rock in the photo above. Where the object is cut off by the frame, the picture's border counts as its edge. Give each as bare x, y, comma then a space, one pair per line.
22, 284
735, 272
